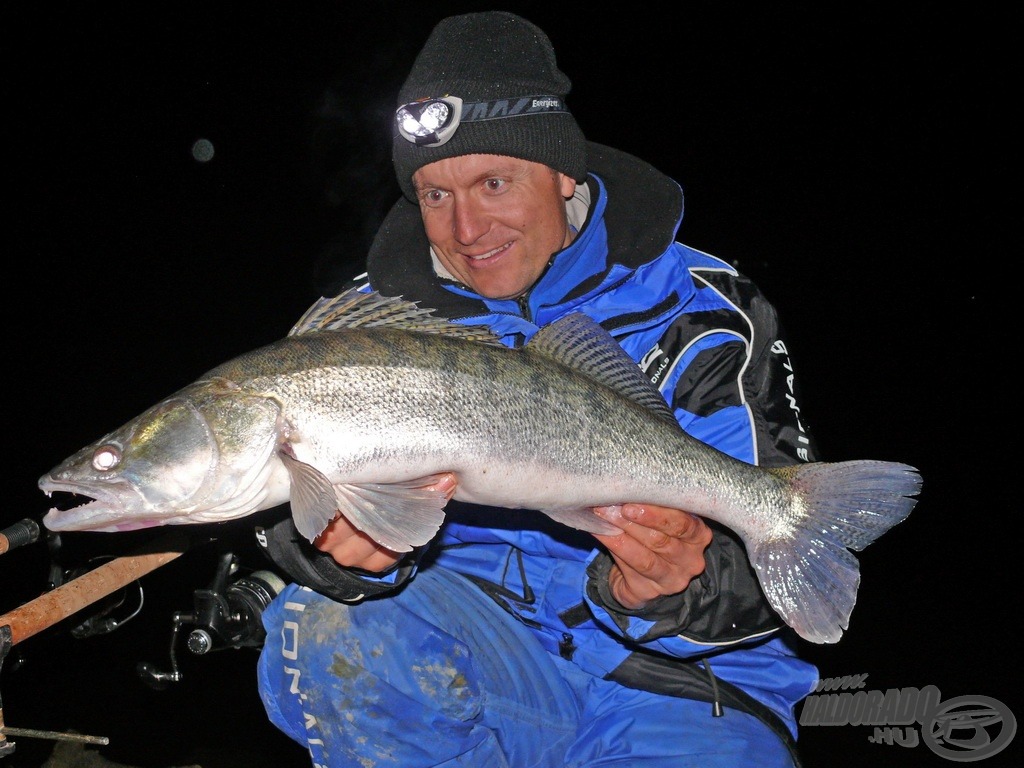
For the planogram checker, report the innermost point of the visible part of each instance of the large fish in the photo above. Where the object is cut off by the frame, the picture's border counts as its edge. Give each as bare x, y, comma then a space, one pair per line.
368, 398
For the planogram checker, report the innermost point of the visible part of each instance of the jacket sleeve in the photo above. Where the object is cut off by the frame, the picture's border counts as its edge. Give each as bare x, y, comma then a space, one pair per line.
732, 386
306, 565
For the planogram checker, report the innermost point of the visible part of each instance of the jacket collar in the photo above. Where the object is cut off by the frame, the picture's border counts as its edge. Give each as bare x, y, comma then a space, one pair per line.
635, 209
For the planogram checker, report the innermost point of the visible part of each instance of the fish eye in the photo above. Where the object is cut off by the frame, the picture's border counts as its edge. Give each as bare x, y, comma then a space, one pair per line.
106, 458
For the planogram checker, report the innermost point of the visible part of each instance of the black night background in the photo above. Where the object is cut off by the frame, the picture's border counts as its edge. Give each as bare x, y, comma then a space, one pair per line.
854, 159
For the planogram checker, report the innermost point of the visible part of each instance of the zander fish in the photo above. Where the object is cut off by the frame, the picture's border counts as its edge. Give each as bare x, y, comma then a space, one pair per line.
369, 398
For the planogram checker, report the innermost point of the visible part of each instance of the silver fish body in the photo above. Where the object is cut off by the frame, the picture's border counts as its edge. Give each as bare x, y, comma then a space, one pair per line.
369, 398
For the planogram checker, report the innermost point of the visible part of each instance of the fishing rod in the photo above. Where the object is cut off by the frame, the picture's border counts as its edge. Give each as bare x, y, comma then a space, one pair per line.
18, 535
69, 598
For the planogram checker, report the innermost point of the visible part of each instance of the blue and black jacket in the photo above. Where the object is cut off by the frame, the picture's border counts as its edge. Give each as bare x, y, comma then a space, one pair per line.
712, 343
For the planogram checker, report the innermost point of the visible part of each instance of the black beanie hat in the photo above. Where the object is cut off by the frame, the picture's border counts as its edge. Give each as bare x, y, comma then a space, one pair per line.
489, 57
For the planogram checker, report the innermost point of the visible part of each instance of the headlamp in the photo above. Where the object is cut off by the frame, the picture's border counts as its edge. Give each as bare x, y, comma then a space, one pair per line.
431, 122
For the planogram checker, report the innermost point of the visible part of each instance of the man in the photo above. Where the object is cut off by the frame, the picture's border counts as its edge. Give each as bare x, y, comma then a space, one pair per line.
511, 640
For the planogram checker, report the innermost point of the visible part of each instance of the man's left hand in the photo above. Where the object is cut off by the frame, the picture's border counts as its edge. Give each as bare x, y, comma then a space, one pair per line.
659, 551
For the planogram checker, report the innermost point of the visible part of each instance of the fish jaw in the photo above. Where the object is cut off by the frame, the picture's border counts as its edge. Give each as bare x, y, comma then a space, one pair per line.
110, 510
205, 454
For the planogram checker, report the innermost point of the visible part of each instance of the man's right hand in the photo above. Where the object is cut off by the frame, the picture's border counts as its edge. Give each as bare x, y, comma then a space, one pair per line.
352, 548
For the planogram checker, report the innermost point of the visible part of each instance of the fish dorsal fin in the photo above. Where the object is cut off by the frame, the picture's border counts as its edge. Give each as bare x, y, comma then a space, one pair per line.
582, 344
356, 309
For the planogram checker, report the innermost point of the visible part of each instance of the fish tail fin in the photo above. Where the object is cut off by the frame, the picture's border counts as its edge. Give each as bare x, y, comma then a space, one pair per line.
809, 575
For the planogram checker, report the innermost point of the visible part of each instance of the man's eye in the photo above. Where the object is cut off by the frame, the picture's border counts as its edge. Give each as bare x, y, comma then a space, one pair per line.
494, 184
433, 197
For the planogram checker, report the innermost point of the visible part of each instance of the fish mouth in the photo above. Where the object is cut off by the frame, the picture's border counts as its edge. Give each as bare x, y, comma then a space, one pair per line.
87, 508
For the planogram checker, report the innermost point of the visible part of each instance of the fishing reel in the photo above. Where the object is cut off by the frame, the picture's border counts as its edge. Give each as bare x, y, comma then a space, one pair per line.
227, 614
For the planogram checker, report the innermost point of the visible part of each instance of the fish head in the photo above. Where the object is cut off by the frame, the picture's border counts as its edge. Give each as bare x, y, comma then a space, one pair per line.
204, 454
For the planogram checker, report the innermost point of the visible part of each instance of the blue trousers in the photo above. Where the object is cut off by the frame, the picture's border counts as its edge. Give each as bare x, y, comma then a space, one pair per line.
439, 675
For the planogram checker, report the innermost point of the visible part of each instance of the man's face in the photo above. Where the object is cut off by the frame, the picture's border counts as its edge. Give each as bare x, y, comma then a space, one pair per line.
494, 221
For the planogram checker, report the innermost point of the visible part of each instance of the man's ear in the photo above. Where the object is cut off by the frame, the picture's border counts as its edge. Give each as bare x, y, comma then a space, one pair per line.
568, 185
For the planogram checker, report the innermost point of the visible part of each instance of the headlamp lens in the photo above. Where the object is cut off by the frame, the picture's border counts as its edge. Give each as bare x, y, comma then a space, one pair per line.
429, 122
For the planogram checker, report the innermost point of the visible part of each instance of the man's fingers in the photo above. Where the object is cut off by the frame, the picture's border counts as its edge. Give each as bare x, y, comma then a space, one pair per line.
613, 515
673, 523
659, 551
690, 529
446, 484
659, 528
352, 548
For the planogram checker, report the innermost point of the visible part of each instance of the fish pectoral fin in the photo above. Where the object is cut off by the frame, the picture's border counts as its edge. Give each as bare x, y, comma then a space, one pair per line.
313, 500
398, 516
582, 518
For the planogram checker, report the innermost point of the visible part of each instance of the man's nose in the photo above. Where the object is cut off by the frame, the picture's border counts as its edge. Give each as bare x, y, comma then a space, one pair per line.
469, 221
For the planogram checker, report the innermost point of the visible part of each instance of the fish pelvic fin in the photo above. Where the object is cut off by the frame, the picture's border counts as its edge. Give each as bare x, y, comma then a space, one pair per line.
357, 309
398, 516
810, 577
582, 344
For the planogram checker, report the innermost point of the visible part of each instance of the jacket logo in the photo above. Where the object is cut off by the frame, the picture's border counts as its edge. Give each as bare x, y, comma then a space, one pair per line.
779, 348
652, 357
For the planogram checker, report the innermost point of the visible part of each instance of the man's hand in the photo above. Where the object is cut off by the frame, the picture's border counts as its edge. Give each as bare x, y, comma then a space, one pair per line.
658, 552
352, 548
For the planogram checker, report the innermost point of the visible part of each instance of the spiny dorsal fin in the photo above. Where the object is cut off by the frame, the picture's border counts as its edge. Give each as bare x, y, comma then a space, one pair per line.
582, 344
355, 309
